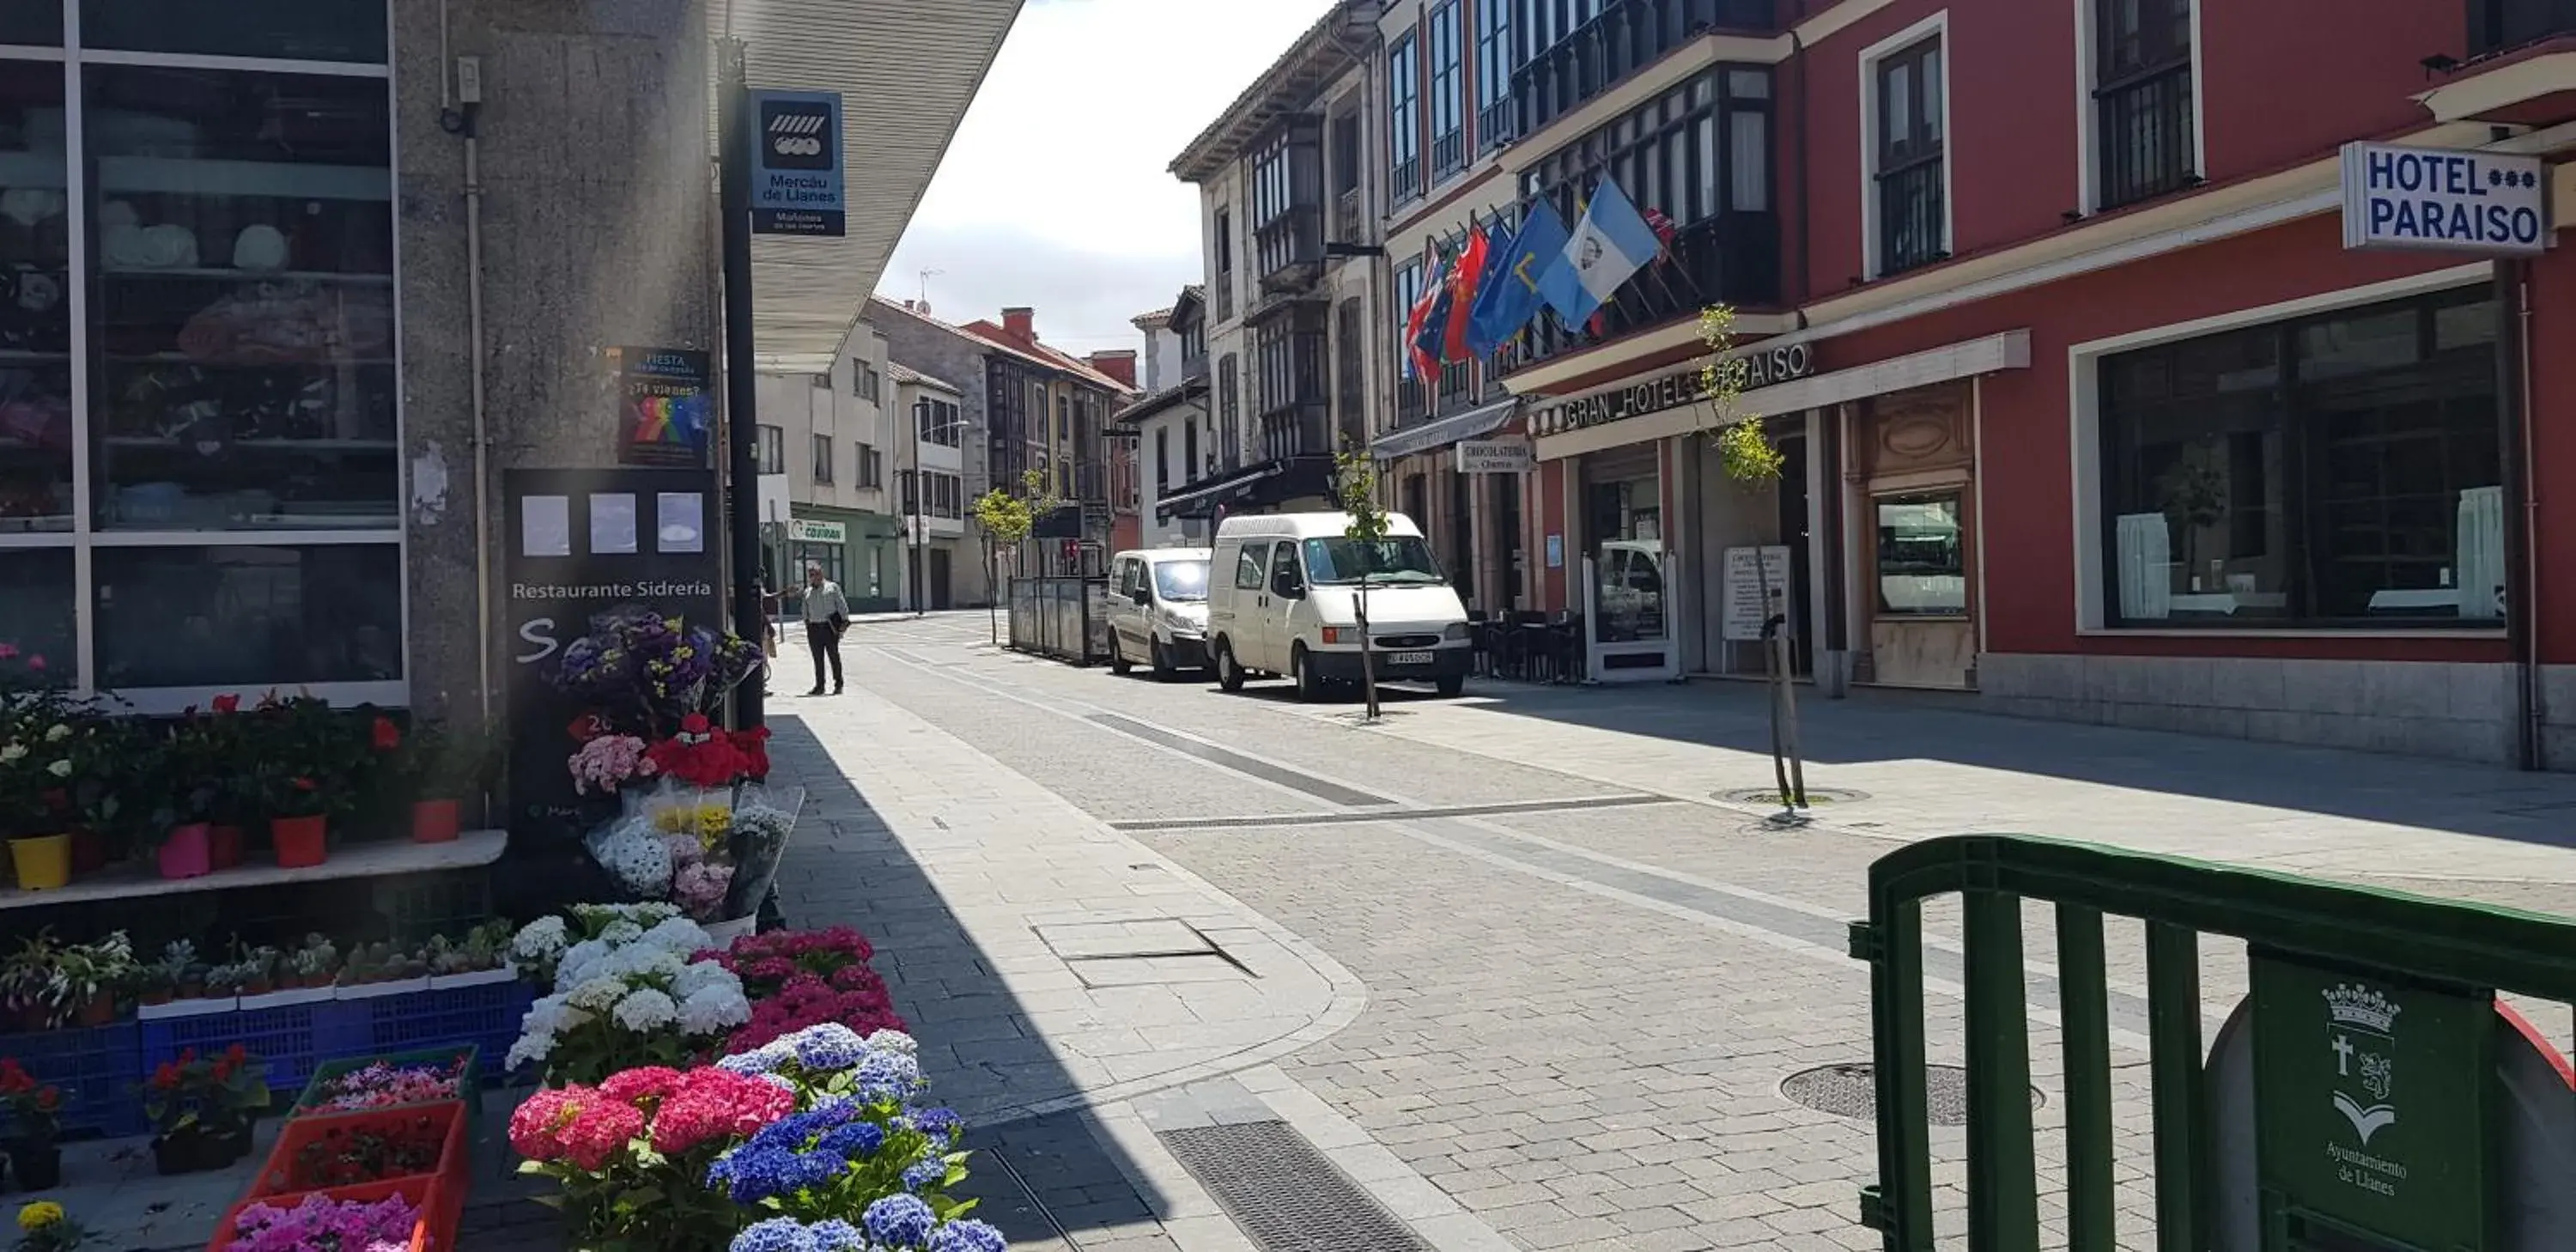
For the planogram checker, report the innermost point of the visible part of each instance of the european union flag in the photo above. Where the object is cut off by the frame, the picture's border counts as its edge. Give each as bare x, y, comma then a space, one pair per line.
1509, 295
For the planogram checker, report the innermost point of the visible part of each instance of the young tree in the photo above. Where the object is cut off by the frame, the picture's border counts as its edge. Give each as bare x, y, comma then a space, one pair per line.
1007, 520
1752, 462
1355, 486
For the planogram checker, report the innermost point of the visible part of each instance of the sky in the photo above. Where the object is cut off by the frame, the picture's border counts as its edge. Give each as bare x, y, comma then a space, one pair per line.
1057, 192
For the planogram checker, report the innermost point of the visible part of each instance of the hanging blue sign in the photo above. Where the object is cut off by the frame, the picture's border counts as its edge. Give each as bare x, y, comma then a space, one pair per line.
797, 185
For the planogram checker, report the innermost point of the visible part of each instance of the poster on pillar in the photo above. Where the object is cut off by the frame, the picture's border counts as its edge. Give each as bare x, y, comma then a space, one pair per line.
666, 411
583, 543
1756, 590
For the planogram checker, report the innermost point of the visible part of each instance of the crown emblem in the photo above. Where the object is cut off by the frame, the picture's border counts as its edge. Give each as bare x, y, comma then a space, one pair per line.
2361, 1008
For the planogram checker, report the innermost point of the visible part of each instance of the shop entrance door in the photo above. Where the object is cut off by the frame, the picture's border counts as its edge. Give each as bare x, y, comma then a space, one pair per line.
939, 559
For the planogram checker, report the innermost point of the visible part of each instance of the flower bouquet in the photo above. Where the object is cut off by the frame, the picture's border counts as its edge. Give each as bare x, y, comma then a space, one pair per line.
628, 994
763, 818
645, 672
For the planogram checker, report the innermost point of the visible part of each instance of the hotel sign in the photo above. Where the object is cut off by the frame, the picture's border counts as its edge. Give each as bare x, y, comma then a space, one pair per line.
2432, 199
1670, 391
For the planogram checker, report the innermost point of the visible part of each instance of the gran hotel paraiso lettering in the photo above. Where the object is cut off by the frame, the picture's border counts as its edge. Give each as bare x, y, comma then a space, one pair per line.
1670, 391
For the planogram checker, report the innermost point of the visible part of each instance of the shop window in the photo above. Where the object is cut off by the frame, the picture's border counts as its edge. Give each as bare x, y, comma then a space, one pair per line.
2336, 470
1922, 557
289, 30
37, 616
36, 23
248, 616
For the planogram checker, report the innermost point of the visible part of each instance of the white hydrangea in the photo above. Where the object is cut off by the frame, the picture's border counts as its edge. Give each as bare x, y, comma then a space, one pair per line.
578, 960
597, 995
619, 934
894, 1041
697, 976
680, 937
540, 940
531, 1049
714, 1008
640, 962
646, 1009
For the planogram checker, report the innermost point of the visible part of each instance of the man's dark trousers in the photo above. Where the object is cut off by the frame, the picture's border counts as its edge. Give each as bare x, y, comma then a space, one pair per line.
826, 642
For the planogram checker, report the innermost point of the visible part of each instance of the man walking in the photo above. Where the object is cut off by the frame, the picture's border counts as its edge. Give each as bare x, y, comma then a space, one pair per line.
827, 614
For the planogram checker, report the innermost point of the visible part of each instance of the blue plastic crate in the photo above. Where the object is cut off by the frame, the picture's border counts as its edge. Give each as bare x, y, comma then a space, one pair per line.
99, 1070
292, 1040
486, 1015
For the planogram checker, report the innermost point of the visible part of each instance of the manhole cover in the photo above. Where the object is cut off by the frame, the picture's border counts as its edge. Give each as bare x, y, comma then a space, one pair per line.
1816, 796
1852, 1091
1283, 1193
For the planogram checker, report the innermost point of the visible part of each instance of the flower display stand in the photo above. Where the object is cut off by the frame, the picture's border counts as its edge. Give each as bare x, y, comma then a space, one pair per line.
364, 1021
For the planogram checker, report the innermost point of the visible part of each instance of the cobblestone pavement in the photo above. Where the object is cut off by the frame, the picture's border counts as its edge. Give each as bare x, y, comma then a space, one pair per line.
1572, 984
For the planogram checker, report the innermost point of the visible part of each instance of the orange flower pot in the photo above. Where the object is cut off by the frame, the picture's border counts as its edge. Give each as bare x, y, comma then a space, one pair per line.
301, 842
434, 821
223, 846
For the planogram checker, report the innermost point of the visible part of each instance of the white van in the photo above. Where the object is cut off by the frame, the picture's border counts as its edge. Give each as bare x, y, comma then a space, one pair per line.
1283, 594
1158, 610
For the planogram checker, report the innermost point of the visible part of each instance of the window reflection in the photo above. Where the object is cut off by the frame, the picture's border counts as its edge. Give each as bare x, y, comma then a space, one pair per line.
244, 324
36, 22
35, 311
198, 617
36, 617
295, 30
1922, 565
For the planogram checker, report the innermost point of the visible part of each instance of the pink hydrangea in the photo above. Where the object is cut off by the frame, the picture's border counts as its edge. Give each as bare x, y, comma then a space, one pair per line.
700, 889
608, 761
576, 1124
320, 1221
602, 1130
651, 1082
716, 1104
536, 1127
806, 1000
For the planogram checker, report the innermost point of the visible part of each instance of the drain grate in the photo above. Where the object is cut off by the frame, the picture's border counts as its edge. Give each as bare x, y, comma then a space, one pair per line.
1852, 1091
1816, 796
1283, 1194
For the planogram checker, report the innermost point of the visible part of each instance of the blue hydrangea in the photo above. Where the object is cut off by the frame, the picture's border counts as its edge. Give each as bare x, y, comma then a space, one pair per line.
756, 1172
887, 1078
968, 1236
925, 1174
827, 1046
836, 1235
761, 1060
901, 1220
940, 1124
778, 1234
856, 1141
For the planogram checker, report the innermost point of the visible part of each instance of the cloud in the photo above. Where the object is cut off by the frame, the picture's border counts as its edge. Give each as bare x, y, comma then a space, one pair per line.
1056, 192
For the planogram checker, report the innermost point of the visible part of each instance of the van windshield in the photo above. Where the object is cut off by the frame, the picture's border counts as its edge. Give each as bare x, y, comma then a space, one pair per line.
1180, 582
1395, 560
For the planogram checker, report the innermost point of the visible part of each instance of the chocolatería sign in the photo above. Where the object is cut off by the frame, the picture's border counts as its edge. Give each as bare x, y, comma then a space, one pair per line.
1669, 391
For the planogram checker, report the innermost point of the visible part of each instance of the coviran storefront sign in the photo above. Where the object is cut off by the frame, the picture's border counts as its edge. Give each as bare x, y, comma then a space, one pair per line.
1670, 391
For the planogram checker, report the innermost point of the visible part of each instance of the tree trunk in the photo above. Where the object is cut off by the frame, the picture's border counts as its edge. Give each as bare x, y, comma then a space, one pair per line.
1368, 657
992, 592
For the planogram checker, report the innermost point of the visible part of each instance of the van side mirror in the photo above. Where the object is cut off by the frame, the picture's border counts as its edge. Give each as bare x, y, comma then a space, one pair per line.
1287, 584
1142, 596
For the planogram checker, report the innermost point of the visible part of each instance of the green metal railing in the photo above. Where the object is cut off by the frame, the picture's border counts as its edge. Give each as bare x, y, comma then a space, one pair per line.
2400, 935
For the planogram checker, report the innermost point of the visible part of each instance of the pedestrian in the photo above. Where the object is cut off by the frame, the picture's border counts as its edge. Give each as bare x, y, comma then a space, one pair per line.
827, 614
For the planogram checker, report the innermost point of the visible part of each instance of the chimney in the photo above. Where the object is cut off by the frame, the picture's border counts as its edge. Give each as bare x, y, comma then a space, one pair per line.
1120, 364
1022, 323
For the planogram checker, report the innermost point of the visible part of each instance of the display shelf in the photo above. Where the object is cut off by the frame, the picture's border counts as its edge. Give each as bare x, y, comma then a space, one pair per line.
277, 445
247, 276
33, 170
182, 358
29, 356
188, 176
359, 860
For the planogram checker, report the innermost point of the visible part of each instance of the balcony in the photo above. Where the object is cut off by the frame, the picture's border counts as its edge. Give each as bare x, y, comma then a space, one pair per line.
2503, 25
1448, 154
1627, 36
1289, 251
1404, 180
2146, 136
1294, 407
1224, 295
1412, 402
1913, 229
1350, 218
1733, 258
1494, 124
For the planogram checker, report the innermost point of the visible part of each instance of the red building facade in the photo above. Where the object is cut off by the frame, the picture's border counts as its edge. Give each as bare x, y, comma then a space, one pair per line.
2092, 413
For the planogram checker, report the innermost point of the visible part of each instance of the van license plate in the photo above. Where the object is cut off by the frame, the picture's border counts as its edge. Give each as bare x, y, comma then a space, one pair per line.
1409, 658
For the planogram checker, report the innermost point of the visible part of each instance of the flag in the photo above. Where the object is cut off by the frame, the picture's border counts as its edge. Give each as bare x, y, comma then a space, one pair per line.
1435, 313
1463, 281
1415, 322
1609, 245
1506, 303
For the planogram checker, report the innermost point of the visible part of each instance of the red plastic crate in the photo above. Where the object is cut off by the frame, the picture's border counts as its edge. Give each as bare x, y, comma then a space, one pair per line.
439, 1205
444, 1122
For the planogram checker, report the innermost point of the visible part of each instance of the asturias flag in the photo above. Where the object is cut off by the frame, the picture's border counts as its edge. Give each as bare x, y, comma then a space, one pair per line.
1512, 294
1609, 245
1463, 282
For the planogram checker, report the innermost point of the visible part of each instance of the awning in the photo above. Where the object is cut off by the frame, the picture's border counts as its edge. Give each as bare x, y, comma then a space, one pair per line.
1481, 420
906, 73
1261, 485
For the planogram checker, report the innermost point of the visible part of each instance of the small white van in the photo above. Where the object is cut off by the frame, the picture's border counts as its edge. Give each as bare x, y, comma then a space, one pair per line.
1283, 598
1158, 610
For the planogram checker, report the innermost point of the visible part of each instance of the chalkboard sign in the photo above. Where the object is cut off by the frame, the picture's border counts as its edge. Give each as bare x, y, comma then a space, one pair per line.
583, 543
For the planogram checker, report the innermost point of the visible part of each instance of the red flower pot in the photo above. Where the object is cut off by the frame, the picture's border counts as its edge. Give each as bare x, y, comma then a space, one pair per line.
433, 821
299, 841
89, 851
98, 1010
223, 846
187, 853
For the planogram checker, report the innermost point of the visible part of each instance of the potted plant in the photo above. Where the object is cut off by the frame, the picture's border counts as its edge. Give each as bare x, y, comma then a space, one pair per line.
35, 773
82, 985
35, 1122
213, 764
382, 969
440, 771
315, 962
44, 1227
312, 760
482, 956
112, 760
178, 969
201, 1109
24, 976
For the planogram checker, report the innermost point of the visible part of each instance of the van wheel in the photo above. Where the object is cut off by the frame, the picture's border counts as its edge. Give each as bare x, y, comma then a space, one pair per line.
1310, 687
1449, 685
1229, 675
1118, 662
1162, 662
